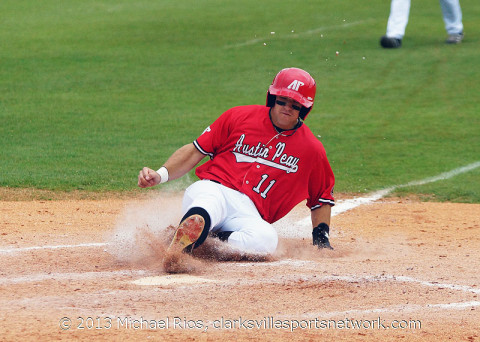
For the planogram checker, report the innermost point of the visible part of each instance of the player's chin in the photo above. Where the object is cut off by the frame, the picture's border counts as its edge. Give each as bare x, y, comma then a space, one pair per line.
289, 120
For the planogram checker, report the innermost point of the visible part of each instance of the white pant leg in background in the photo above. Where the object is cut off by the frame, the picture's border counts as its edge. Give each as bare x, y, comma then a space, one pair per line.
452, 16
231, 210
398, 19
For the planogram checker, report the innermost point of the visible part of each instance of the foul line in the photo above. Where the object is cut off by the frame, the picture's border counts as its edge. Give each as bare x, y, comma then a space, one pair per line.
312, 265
349, 204
371, 279
283, 279
14, 250
70, 276
340, 207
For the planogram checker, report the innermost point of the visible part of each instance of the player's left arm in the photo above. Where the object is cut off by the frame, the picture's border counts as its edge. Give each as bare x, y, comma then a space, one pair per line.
321, 210
321, 226
321, 200
321, 215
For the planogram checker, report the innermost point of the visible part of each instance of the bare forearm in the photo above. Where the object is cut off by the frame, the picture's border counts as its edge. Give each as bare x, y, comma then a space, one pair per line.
321, 230
321, 215
182, 161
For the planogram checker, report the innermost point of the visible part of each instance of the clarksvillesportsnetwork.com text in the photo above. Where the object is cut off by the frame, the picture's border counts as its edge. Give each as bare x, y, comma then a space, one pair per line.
268, 322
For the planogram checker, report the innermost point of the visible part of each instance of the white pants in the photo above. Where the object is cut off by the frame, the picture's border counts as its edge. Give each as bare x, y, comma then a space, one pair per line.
400, 9
232, 211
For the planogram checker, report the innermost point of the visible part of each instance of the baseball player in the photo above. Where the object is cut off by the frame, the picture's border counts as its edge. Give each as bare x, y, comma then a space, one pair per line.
398, 19
263, 161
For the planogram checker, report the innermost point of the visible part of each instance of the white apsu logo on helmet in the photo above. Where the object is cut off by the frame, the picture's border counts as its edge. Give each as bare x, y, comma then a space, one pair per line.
295, 85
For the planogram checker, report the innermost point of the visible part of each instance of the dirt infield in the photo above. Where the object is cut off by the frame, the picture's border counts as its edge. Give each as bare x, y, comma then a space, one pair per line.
91, 269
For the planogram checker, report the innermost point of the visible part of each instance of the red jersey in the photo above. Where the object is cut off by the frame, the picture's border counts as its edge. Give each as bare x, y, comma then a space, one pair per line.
276, 170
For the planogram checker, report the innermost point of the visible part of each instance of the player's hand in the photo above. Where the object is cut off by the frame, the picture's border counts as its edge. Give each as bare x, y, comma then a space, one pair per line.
321, 237
148, 177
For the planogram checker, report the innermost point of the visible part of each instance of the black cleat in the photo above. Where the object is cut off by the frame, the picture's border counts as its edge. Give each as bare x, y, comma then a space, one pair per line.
455, 38
390, 43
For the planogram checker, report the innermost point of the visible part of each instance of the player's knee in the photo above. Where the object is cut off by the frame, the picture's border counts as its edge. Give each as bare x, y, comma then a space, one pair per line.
261, 241
205, 194
271, 242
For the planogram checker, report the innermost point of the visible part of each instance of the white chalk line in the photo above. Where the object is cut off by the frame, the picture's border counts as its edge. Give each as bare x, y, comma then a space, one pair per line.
303, 264
70, 276
374, 196
307, 264
395, 308
295, 35
14, 250
404, 307
345, 205
341, 207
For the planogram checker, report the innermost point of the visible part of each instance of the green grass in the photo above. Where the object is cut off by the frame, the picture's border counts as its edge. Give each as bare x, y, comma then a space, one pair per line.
458, 189
91, 91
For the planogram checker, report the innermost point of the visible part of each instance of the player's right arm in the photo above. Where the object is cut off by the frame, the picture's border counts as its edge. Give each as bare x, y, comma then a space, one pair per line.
180, 162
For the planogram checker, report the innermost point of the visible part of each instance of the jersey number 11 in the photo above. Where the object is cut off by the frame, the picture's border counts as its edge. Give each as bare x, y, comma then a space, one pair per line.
264, 193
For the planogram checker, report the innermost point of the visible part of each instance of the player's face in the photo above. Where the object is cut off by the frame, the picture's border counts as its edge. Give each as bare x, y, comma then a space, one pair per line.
285, 112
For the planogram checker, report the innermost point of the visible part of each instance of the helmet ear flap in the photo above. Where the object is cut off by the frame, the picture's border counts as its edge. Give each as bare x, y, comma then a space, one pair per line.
270, 100
303, 112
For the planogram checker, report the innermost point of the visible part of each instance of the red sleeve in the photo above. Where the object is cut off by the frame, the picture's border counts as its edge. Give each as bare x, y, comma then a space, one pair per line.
214, 135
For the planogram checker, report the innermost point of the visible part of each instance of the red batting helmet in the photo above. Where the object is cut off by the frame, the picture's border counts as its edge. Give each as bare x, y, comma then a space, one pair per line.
296, 84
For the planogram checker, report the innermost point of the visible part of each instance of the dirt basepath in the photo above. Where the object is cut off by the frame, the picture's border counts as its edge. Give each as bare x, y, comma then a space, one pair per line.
78, 270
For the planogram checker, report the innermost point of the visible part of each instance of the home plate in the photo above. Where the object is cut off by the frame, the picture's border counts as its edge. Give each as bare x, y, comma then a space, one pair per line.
176, 279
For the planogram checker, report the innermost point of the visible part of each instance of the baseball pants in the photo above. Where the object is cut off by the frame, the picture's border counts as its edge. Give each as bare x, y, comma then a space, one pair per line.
400, 10
232, 211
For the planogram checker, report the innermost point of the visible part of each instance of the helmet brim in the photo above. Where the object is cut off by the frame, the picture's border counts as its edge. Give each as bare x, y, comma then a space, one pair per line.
291, 94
